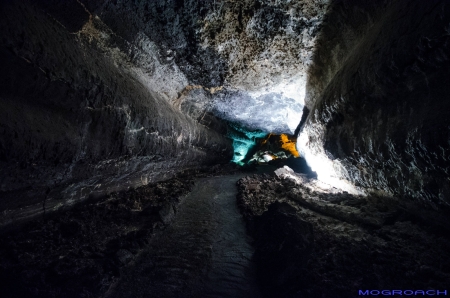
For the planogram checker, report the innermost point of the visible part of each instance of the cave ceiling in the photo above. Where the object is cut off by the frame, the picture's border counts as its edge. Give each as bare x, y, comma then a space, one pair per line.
249, 69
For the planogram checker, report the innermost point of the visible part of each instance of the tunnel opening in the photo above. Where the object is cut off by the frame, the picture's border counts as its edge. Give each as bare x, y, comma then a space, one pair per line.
258, 148
244, 141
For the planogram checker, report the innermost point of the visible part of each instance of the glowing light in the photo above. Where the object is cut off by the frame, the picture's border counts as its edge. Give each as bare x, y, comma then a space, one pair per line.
289, 144
328, 171
267, 157
241, 148
243, 141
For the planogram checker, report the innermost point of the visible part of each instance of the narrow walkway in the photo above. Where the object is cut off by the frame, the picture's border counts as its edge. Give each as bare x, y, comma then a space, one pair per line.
204, 253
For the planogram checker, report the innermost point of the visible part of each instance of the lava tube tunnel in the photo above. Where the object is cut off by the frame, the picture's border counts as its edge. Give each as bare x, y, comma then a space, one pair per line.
222, 148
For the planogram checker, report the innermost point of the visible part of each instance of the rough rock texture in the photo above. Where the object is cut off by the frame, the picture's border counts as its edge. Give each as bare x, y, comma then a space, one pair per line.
205, 252
85, 247
248, 44
372, 242
243, 48
378, 98
272, 112
268, 49
79, 116
83, 252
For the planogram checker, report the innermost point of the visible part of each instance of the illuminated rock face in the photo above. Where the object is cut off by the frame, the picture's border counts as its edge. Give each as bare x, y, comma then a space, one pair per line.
379, 102
268, 49
270, 112
255, 53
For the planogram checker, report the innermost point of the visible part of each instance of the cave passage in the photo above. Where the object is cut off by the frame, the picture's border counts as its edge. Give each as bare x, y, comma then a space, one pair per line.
110, 110
205, 252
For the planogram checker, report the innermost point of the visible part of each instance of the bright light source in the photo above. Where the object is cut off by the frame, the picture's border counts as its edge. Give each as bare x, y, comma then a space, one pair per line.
328, 171
240, 149
243, 141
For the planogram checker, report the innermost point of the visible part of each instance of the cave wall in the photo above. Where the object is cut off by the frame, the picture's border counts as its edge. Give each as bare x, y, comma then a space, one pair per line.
246, 44
98, 96
81, 116
378, 95
235, 52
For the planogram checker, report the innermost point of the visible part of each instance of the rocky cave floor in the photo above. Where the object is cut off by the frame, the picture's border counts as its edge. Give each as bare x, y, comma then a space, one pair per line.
81, 252
307, 243
314, 244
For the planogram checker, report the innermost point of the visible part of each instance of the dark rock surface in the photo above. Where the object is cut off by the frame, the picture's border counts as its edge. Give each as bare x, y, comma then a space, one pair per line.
378, 101
205, 252
371, 242
83, 252
79, 117
283, 247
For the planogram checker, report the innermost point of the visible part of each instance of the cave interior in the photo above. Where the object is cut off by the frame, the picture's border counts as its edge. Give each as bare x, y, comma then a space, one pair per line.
219, 148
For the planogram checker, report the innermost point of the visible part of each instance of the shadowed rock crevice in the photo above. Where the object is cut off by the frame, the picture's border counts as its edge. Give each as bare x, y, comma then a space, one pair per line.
283, 245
